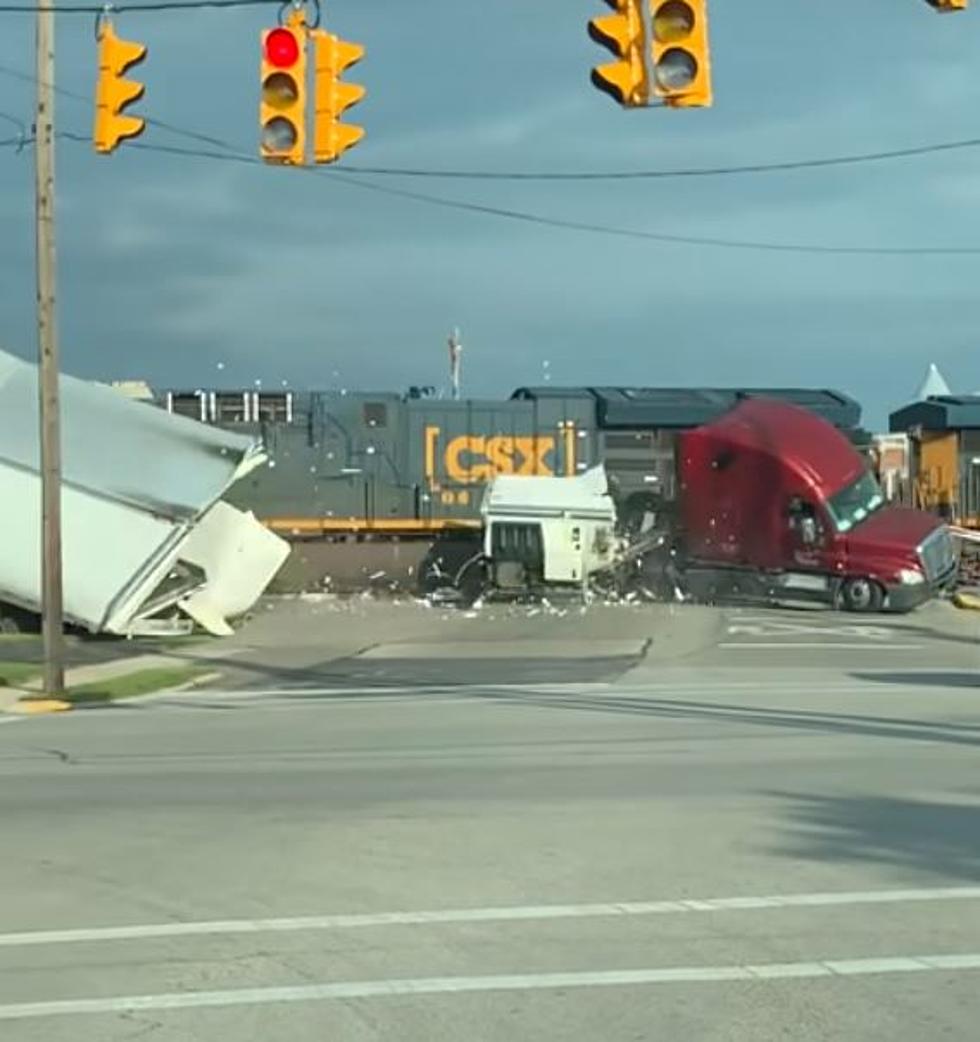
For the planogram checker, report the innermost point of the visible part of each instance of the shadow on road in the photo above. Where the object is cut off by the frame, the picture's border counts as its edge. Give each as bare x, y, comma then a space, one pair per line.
935, 837
788, 719
352, 670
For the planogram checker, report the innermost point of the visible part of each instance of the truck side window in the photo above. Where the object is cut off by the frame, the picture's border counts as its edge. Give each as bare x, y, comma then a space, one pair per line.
803, 519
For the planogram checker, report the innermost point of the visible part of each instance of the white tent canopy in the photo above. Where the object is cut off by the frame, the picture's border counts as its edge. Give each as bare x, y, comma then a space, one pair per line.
933, 384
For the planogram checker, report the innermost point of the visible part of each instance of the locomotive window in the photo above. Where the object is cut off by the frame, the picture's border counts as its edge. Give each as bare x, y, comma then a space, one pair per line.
375, 414
230, 408
639, 440
275, 408
187, 405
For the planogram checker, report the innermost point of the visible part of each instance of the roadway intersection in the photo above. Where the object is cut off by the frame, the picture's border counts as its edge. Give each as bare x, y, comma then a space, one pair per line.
633, 823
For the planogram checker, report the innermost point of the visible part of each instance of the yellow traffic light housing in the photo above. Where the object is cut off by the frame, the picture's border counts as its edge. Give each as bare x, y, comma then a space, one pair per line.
332, 56
282, 108
944, 6
624, 34
113, 93
679, 52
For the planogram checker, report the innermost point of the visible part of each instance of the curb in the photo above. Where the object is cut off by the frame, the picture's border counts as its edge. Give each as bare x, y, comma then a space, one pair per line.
41, 706
967, 600
38, 706
188, 685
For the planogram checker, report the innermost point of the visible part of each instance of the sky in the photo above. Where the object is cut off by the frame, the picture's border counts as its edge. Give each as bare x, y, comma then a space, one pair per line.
193, 272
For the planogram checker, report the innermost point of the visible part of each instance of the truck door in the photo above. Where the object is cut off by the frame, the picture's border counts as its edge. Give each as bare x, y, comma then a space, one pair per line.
806, 537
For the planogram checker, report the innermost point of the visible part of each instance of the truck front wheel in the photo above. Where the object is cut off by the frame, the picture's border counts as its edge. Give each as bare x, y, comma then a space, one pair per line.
861, 594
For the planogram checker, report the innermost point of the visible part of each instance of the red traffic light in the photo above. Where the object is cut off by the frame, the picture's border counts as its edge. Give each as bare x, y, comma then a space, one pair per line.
281, 48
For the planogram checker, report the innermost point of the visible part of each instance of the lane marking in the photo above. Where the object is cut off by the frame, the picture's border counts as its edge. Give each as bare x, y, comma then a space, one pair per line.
490, 914
775, 629
502, 982
820, 644
832, 618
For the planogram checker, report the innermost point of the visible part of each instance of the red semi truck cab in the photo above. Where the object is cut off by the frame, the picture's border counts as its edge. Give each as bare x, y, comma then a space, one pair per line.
774, 500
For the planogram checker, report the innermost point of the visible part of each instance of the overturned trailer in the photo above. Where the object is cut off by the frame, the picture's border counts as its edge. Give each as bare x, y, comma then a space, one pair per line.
147, 543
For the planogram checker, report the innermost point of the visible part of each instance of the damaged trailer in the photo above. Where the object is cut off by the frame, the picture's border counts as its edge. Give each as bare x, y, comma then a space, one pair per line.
539, 534
147, 544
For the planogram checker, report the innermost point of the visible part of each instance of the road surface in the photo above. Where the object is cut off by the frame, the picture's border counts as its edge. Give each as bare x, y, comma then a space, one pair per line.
632, 824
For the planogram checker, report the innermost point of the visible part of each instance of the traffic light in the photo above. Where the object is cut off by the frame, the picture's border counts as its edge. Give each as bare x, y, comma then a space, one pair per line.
681, 65
282, 109
948, 5
112, 92
332, 56
624, 34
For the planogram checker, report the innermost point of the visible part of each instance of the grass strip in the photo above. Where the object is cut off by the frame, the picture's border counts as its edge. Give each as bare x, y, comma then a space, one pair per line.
132, 685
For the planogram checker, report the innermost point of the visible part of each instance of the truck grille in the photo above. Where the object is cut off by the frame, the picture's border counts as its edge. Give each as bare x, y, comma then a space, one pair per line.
938, 557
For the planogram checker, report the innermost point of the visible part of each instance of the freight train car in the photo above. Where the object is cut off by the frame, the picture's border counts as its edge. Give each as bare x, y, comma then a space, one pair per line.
416, 465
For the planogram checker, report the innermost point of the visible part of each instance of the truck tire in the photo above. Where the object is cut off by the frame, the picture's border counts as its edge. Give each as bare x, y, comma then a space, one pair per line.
861, 594
640, 508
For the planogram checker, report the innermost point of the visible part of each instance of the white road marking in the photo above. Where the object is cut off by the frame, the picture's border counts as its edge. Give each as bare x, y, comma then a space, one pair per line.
776, 629
814, 618
820, 644
502, 982
822, 899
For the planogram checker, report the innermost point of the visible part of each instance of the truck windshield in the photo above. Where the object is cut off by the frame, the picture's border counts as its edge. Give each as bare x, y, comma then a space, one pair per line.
853, 504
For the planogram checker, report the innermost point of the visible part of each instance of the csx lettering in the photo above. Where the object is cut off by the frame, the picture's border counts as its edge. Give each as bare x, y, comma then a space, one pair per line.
473, 458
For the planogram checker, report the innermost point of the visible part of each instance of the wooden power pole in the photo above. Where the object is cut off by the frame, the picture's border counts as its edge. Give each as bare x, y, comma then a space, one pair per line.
49, 406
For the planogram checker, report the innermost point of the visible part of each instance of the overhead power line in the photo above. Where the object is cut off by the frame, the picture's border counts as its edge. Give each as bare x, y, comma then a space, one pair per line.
703, 171
235, 155
153, 5
777, 166
650, 236
65, 92
227, 152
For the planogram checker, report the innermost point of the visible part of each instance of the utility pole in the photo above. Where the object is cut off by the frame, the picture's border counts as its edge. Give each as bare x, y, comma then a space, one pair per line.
48, 402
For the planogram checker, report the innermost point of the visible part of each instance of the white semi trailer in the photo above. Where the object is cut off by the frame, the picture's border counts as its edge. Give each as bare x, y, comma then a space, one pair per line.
147, 542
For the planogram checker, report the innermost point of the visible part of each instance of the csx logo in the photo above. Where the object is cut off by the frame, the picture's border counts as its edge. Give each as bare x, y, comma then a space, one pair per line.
476, 458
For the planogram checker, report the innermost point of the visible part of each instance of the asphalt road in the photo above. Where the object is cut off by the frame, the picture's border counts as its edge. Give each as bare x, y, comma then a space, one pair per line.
706, 824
